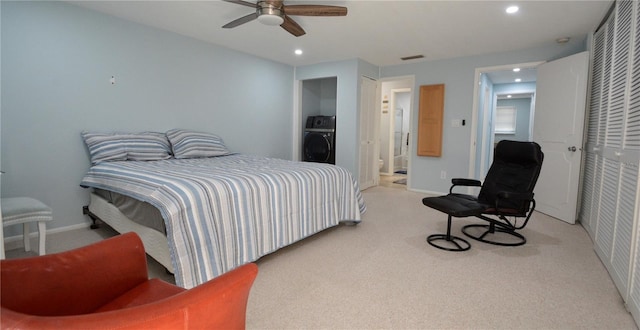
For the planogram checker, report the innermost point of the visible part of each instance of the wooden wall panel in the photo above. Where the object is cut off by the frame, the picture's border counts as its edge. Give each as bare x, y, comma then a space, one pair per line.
430, 118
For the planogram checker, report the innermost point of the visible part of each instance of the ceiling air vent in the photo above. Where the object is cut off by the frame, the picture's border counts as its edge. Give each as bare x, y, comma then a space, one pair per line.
411, 57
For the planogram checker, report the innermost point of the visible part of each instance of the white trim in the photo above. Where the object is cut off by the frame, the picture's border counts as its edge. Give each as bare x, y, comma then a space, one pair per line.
15, 242
474, 123
489, 101
296, 138
428, 192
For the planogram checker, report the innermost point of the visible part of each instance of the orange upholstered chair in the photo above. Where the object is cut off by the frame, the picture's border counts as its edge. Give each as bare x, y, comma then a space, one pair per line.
105, 285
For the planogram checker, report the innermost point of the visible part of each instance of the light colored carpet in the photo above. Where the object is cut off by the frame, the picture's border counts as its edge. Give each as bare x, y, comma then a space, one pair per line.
382, 274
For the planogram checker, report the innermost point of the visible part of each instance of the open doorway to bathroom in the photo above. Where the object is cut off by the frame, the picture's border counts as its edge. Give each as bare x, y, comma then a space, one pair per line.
395, 135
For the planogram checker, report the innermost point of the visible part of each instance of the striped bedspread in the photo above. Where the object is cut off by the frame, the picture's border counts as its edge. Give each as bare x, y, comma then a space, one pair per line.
225, 211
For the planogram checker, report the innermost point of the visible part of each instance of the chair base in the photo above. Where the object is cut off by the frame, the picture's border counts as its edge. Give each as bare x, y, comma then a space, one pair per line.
456, 244
492, 229
459, 244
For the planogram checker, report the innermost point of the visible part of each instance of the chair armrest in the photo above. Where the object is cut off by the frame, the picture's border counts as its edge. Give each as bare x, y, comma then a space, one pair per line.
76, 281
217, 304
464, 182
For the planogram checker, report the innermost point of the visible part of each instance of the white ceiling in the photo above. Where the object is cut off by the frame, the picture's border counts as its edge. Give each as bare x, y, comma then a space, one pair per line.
509, 76
379, 32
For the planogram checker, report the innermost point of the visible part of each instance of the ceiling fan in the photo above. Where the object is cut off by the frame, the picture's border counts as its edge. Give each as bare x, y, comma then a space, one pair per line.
274, 12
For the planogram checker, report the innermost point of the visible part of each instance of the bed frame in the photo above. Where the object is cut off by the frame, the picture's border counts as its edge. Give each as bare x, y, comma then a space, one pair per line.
155, 243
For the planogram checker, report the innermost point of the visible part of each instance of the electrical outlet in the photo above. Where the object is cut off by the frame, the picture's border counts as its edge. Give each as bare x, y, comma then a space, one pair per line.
443, 174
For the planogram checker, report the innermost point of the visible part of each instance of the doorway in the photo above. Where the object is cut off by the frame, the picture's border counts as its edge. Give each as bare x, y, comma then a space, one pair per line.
495, 86
557, 126
511, 119
400, 130
395, 131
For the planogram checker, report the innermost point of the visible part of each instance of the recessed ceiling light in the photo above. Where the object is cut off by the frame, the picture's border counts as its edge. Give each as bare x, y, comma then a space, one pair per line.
298, 51
518, 80
516, 69
512, 9
563, 40
508, 96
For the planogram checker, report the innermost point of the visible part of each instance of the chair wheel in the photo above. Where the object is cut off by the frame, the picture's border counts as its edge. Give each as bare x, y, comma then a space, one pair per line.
456, 244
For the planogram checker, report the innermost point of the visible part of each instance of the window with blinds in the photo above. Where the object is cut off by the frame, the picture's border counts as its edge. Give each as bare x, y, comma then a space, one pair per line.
505, 120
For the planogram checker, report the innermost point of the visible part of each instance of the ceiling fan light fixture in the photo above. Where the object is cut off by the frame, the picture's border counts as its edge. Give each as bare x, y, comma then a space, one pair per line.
268, 19
274, 12
269, 15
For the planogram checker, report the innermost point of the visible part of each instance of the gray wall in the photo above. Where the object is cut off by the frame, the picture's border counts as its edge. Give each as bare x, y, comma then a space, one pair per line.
57, 60
458, 76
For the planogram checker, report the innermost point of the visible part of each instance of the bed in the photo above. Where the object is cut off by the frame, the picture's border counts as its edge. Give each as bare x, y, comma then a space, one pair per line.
219, 209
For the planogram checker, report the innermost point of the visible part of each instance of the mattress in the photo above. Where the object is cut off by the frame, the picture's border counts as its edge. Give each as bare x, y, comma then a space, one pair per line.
222, 212
138, 211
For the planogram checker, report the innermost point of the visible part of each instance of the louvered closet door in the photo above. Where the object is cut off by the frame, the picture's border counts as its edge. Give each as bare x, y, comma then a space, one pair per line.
610, 208
590, 196
632, 151
613, 238
622, 259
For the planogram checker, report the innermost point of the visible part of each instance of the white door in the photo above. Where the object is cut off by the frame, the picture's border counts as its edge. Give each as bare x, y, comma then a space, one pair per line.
369, 150
558, 126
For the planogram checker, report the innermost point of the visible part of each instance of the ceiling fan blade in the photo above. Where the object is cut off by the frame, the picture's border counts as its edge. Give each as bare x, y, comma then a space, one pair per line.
241, 21
315, 10
292, 27
244, 3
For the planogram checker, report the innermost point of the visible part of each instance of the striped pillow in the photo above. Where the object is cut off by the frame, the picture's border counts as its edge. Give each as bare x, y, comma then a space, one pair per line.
110, 147
191, 144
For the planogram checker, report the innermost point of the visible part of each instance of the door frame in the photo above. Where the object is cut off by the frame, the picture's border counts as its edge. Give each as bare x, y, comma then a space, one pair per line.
473, 171
392, 122
410, 84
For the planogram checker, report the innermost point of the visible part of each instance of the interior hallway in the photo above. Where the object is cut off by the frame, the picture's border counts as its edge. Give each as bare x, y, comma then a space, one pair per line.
389, 181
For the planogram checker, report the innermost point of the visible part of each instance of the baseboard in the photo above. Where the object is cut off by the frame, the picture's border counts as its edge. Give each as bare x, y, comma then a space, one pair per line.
427, 192
15, 242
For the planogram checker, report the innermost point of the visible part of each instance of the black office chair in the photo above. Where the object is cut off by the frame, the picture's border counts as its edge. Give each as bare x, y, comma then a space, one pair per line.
505, 199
